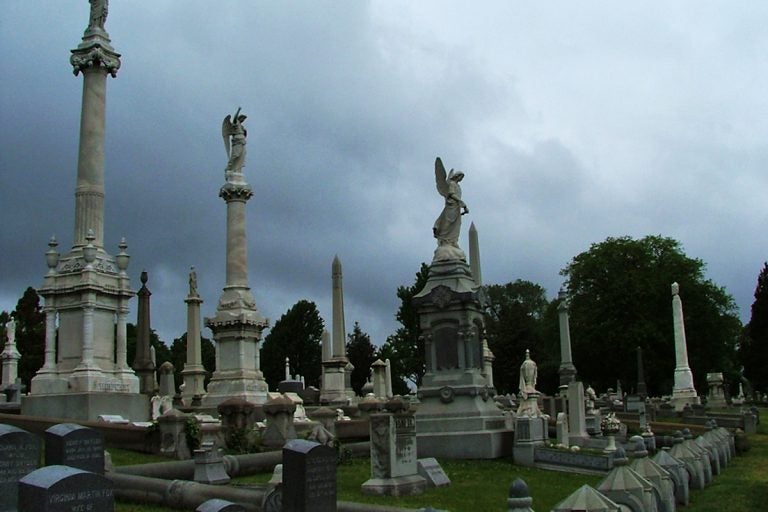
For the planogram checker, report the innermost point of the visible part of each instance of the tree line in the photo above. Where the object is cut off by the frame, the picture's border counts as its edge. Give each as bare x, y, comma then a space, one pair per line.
619, 298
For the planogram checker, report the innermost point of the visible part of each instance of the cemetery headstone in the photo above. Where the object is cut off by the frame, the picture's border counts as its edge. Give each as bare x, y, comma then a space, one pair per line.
309, 477
219, 505
19, 456
70, 444
273, 499
432, 472
209, 466
65, 489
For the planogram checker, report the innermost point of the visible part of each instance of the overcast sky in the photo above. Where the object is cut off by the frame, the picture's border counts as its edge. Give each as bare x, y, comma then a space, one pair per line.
573, 121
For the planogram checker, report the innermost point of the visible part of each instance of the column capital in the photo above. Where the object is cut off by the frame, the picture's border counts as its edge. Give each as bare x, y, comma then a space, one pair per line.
95, 53
236, 192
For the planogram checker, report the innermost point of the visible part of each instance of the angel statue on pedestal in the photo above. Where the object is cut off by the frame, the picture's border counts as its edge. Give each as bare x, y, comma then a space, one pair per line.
232, 129
447, 227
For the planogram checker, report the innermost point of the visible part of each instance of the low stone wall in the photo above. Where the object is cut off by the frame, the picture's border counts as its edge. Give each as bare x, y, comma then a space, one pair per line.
129, 437
578, 460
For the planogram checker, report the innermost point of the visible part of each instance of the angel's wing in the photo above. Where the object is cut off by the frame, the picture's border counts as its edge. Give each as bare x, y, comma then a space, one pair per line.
227, 129
441, 178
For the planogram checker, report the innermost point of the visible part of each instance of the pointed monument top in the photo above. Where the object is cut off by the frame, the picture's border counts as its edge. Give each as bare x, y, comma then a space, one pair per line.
473, 228
675, 288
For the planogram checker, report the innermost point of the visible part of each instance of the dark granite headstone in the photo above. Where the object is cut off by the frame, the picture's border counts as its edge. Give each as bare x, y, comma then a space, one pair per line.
218, 505
65, 489
309, 477
76, 446
19, 456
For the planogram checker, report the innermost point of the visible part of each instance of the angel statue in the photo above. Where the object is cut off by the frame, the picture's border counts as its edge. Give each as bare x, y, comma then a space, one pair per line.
448, 225
232, 129
98, 15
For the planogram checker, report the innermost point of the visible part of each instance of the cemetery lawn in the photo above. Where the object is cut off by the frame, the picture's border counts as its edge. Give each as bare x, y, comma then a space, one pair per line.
484, 485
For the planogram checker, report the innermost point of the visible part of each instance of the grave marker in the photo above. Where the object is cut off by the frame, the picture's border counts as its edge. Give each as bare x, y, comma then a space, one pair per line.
309, 477
19, 456
65, 489
69, 444
219, 505
431, 471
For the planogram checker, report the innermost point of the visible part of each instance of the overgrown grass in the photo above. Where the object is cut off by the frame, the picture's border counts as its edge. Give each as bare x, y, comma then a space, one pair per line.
484, 485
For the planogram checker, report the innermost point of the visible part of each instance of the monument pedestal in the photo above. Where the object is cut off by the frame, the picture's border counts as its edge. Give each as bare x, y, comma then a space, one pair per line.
87, 406
457, 417
333, 388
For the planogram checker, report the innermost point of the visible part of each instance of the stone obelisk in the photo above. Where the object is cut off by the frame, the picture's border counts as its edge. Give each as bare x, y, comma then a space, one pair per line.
193, 372
237, 325
683, 392
477, 275
334, 390
86, 291
567, 370
143, 364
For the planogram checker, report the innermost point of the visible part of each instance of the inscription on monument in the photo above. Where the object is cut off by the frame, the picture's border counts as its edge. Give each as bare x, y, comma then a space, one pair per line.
309, 477
19, 456
65, 489
73, 445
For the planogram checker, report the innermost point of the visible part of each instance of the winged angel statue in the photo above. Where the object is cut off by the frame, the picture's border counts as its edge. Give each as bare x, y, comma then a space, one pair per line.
448, 225
234, 134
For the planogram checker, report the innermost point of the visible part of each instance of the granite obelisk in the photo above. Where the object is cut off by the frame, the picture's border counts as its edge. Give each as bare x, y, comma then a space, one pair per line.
86, 291
143, 364
683, 392
237, 325
334, 390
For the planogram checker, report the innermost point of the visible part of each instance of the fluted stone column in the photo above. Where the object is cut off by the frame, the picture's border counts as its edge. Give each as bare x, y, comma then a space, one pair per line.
87, 290
683, 392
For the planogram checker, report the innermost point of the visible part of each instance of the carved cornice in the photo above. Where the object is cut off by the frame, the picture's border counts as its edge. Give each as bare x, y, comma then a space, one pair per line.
95, 55
236, 192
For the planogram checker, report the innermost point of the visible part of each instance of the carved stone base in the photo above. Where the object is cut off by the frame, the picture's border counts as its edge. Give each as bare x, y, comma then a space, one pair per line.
398, 486
87, 406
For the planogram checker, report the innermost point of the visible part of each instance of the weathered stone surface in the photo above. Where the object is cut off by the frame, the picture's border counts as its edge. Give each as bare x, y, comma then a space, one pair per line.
69, 444
65, 489
587, 499
432, 472
19, 456
219, 505
393, 456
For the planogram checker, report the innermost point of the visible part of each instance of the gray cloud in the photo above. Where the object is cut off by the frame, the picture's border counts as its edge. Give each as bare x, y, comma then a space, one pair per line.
572, 124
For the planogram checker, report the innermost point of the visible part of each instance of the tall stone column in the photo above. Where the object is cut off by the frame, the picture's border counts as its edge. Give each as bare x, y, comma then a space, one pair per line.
567, 370
642, 389
87, 290
193, 372
142, 362
334, 390
237, 326
683, 392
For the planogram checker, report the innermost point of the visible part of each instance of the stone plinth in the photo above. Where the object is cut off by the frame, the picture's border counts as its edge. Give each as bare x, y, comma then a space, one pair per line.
394, 469
457, 416
280, 427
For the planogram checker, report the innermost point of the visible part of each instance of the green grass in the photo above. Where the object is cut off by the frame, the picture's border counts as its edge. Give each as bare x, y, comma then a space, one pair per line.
484, 484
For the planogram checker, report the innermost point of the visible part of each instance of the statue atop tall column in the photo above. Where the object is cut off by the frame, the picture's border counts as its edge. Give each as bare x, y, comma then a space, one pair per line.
447, 227
234, 134
99, 11
529, 373
237, 325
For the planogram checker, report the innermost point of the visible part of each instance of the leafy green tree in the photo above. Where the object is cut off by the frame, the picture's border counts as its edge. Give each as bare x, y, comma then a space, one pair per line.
179, 357
754, 345
298, 336
620, 299
513, 323
404, 349
30, 334
361, 354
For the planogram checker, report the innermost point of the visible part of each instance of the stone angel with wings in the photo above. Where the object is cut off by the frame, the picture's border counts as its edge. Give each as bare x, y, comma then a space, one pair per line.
447, 227
234, 134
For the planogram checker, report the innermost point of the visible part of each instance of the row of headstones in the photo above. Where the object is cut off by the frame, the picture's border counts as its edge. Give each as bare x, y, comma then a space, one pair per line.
659, 483
72, 475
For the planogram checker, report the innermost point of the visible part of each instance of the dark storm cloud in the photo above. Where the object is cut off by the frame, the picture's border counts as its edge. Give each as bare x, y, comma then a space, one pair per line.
569, 130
